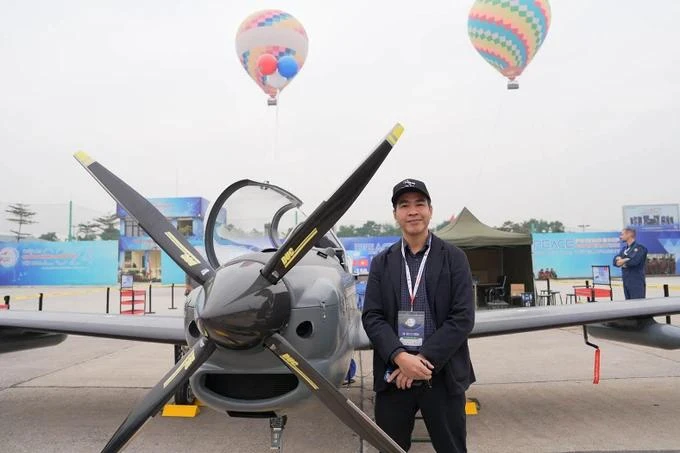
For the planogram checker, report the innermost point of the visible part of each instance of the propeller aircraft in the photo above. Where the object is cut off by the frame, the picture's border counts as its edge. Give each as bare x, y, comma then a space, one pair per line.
267, 329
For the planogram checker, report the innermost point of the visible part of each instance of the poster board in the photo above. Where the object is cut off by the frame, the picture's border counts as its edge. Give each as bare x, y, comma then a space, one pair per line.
602, 275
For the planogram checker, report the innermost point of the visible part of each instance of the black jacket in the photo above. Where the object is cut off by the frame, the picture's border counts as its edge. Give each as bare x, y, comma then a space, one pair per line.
449, 289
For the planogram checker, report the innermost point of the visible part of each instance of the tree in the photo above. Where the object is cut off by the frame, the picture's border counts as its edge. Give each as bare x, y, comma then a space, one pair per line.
345, 231
533, 226
51, 236
108, 227
21, 215
87, 231
370, 228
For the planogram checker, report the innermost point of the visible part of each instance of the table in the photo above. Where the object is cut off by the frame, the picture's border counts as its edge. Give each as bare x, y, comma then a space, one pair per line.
548, 296
590, 292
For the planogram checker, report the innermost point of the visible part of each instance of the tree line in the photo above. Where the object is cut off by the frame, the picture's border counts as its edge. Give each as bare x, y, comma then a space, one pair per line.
372, 228
104, 227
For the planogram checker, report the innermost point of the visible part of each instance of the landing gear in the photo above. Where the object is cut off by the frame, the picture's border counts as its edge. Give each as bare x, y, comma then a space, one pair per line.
276, 425
183, 394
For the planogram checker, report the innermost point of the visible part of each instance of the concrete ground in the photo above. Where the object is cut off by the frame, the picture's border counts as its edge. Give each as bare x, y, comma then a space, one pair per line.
535, 391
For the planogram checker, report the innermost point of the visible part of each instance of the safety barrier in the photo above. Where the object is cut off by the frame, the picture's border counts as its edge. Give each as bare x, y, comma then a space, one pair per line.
132, 301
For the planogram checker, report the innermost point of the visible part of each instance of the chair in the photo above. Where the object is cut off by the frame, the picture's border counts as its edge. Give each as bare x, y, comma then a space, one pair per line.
516, 291
497, 291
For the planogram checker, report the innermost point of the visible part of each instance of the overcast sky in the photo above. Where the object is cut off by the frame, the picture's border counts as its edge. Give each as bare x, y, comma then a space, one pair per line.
154, 90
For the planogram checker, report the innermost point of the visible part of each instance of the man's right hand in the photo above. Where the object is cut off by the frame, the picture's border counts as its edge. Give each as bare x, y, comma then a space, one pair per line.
413, 367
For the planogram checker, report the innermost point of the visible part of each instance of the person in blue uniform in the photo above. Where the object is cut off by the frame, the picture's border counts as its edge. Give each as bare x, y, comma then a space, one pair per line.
632, 260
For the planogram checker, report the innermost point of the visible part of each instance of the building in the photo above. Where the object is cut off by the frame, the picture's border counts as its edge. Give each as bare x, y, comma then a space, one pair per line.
141, 257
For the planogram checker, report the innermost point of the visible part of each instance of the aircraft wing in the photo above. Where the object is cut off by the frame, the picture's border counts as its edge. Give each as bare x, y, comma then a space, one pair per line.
500, 322
154, 329
517, 320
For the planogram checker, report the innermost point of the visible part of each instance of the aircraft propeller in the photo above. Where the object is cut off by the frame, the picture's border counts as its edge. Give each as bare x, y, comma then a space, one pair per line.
245, 305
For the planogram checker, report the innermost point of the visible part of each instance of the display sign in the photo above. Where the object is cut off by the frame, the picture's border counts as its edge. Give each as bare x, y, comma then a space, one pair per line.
572, 255
601, 275
652, 216
58, 263
361, 250
126, 281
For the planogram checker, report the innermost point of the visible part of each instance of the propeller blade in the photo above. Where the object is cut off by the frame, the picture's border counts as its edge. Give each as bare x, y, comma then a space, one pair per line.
151, 220
341, 406
329, 212
160, 394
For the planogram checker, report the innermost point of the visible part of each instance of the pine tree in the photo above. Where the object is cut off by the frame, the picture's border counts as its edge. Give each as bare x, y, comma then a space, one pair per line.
108, 226
21, 215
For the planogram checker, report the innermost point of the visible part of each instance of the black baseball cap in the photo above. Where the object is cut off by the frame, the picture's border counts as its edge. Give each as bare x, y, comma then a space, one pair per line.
409, 185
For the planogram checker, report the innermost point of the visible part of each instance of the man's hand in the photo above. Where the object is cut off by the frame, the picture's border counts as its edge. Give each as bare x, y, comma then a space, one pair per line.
619, 261
413, 367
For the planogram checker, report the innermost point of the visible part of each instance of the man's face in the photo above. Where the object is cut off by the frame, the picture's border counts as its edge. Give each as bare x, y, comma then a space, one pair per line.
625, 235
413, 213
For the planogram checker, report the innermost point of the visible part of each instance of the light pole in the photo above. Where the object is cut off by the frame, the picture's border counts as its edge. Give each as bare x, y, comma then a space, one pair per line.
583, 227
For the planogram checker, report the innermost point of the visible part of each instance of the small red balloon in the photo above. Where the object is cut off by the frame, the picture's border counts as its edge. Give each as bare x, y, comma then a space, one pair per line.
267, 64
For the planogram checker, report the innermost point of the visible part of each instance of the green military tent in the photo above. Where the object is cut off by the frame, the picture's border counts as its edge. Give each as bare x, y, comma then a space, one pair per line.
492, 253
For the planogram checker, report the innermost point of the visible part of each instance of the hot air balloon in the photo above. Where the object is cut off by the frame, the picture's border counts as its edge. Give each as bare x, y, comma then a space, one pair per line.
508, 33
272, 47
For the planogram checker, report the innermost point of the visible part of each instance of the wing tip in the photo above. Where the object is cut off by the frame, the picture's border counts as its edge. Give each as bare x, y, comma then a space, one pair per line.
83, 158
395, 133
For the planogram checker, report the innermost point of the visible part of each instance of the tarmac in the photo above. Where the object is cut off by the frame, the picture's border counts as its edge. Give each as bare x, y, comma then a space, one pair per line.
535, 392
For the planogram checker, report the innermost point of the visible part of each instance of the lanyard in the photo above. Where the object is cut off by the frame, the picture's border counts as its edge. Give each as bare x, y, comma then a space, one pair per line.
413, 290
628, 247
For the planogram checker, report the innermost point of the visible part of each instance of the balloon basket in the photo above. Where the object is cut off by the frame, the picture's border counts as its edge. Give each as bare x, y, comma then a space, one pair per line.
512, 85
271, 102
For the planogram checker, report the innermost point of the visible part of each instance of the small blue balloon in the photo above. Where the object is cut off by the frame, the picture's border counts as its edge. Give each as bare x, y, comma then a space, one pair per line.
288, 66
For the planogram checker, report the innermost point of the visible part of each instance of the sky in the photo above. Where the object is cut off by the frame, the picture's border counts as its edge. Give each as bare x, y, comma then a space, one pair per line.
154, 91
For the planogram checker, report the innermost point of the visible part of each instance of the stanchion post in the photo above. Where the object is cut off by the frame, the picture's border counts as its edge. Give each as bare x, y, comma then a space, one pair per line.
150, 312
172, 297
108, 296
666, 293
40, 302
133, 301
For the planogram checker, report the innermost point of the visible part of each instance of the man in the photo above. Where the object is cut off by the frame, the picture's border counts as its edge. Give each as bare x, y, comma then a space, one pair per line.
189, 284
632, 260
418, 313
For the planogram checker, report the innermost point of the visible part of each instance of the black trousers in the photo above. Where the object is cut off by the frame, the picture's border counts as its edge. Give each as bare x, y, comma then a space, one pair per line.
443, 414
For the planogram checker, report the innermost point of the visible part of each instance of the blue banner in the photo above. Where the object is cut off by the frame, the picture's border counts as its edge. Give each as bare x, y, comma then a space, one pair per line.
171, 272
59, 263
572, 255
174, 207
361, 250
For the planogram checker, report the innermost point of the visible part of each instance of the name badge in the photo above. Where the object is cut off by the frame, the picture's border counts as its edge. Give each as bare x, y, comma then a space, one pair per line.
411, 328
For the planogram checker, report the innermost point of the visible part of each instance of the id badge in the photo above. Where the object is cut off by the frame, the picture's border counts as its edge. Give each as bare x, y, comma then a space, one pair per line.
411, 328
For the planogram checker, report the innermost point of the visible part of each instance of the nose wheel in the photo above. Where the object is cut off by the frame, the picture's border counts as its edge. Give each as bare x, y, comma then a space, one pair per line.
184, 395
276, 425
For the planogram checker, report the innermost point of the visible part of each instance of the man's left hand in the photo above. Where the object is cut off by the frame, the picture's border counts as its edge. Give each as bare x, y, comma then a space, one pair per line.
400, 380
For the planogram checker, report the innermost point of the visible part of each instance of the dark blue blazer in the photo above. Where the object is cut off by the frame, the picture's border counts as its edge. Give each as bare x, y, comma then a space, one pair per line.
449, 289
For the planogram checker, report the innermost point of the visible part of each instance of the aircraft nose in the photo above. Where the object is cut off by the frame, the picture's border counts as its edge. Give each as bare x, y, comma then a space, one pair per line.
242, 308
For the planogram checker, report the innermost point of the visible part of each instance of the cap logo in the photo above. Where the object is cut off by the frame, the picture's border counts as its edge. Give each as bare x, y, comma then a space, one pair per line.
409, 183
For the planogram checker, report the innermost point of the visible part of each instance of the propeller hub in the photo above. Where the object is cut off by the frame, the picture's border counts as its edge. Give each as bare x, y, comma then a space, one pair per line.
242, 308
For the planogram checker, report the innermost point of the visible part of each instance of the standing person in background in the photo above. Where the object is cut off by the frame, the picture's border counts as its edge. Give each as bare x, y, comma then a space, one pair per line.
632, 260
189, 284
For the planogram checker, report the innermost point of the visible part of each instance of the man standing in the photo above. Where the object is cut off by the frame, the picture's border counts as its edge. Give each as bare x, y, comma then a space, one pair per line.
418, 313
632, 260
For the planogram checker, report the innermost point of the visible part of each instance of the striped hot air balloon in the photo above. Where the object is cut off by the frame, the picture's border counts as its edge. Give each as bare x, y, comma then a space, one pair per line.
272, 47
508, 33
